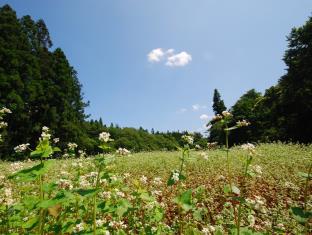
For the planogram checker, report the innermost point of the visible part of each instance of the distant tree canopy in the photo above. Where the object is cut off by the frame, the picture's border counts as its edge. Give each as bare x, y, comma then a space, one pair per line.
42, 89
284, 112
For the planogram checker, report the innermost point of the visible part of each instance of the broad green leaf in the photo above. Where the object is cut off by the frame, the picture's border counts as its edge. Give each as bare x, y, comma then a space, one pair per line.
300, 215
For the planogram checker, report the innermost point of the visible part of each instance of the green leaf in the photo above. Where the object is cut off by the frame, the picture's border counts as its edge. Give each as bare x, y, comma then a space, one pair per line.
300, 215
185, 200
56, 149
32, 173
30, 224
58, 199
122, 207
305, 175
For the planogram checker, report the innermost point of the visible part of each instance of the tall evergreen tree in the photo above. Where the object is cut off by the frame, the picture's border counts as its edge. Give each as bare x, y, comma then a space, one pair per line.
218, 104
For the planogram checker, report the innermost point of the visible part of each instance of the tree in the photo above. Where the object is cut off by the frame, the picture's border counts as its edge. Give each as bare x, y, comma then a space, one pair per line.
296, 85
218, 104
244, 109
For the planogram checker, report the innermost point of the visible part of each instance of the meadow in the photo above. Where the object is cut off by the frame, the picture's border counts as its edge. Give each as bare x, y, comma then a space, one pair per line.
182, 192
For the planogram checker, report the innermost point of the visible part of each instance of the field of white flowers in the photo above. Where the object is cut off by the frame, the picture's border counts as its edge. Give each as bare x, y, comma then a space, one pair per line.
248, 189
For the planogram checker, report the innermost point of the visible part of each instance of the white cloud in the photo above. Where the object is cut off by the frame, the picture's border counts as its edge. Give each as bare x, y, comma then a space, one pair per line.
204, 117
172, 59
183, 110
179, 60
197, 107
156, 55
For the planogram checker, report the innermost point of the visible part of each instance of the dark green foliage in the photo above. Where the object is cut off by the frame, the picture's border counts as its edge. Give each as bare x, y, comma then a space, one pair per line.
218, 104
39, 86
244, 109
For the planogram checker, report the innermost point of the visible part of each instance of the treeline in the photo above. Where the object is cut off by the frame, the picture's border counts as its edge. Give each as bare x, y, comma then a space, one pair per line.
41, 88
284, 111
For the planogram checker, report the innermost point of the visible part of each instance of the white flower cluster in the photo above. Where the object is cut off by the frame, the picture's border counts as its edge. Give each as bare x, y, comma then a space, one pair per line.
45, 135
216, 118
157, 181
212, 145
8, 197
242, 123
258, 204
3, 124
175, 176
82, 153
208, 230
257, 170
249, 147
188, 139
123, 151
117, 225
5, 110
143, 179
226, 114
204, 155
21, 148
72, 146
79, 227
65, 184
56, 140
105, 137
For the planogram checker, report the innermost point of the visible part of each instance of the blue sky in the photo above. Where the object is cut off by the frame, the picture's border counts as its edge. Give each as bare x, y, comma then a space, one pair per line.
233, 46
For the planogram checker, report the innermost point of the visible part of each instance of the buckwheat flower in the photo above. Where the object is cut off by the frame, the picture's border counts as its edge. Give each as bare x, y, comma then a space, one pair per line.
280, 226
208, 230
72, 146
249, 147
175, 176
56, 140
21, 148
157, 181
156, 193
143, 179
216, 118
188, 139
45, 135
257, 169
104, 137
82, 153
197, 146
123, 151
120, 194
45, 129
251, 219
99, 222
106, 195
3, 124
79, 227
64, 184
204, 155
212, 145
226, 114
5, 110
242, 123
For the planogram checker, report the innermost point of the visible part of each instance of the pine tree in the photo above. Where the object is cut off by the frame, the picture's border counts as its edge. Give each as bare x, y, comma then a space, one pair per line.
218, 104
